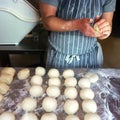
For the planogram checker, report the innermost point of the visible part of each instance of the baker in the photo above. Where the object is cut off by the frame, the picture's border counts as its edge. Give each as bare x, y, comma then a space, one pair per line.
73, 41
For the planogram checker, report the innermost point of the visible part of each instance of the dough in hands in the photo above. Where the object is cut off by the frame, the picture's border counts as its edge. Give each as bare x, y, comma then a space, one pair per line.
92, 116
54, 82
68, 73
36, 80
84, 83
23, 74
93, 77
89, 106
86, 93
70, 92
52, 73
53, 91
7, 116
29, 104
36, 91
72, 117
49, 104
29, 116
49, 116
71, 106
70, 82
40, 71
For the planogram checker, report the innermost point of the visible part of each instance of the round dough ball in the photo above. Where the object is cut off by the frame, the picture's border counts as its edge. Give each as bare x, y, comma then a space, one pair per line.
54, 82
52, 73
36, 91
72, 117
86, 93
92, 77
49, 116
70, 82
96, 28
7, 116
68, 73
23, 74
36, 80
29, 116
70, 92
40, 71
49, 104
92, 116
53, 91
84, 83
71, 106
89, 106
29, 104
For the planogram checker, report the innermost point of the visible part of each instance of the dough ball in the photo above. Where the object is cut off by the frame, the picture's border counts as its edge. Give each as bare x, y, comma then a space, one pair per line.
86, 93
1, 97
96, 28
53, 91
89, 106
70, 92
71, 106
36, 91
72, 117
52, 73
68, 73
23, 74
49, 104
49, 116
36, 80
54, 82
8, 70
92, 116
29, 116
3, 88
7, 116
92, 77
40, 71
29, 104
84, 83
70, 82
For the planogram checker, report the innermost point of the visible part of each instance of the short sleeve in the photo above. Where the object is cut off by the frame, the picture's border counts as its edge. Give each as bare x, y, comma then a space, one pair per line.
109, 5
51, 2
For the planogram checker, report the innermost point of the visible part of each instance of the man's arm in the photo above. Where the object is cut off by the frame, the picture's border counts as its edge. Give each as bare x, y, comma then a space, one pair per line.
53, 23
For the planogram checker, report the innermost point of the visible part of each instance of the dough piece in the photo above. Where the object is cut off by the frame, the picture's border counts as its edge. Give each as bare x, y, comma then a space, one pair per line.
92, 116
53, 91
49, 104
29, 116
36, 91
1, 97
52, 73
86, 93
40, 71
6, 78
70, 92
89, 106
7, 116
84, 83
70, 82
72, 117
3, 88
54, 82
49, 116
71, 106
29, 104
92, 77
23, 74
36, 80
68, 73
8, 70
96, 28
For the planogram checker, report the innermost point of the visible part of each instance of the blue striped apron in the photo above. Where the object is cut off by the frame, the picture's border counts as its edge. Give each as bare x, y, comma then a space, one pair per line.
73, 49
